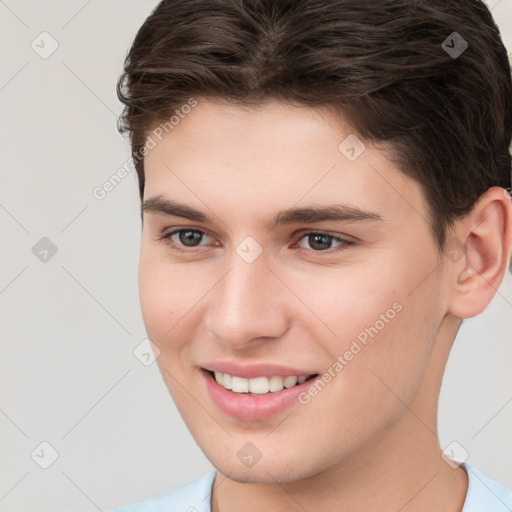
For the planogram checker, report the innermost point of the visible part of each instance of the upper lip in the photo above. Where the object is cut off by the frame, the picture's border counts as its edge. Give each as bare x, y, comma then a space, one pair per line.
250, 371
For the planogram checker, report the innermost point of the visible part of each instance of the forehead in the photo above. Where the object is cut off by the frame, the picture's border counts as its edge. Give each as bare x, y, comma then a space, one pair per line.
274, 156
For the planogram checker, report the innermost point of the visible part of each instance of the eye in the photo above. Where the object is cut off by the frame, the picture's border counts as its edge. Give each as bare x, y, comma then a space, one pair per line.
323, 241
184, 237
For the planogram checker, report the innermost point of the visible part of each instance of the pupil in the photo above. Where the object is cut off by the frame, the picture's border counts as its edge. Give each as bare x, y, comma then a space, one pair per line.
316, 241
189, 236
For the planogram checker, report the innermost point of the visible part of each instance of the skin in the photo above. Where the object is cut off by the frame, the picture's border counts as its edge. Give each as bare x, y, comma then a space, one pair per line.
368, 441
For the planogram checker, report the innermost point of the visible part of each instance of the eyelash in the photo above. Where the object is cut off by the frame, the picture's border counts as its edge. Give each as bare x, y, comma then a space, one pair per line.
345, 244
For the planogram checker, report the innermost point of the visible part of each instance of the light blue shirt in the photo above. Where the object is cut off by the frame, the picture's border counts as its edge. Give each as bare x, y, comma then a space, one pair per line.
484, 495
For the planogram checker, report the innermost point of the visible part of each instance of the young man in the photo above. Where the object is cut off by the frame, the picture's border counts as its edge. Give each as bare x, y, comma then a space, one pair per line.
323, 188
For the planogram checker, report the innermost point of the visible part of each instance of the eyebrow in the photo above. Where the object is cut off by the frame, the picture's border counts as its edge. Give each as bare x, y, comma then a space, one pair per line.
310, 215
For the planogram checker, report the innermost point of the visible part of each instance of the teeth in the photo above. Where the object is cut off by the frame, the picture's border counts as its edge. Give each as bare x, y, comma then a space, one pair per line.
258, 385
239, 385
276, 383
290, 381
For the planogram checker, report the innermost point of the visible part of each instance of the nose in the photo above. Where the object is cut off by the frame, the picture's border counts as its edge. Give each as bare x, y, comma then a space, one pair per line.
247, 305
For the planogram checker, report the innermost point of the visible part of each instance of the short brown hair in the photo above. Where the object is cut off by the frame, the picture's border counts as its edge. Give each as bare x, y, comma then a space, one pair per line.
385, 65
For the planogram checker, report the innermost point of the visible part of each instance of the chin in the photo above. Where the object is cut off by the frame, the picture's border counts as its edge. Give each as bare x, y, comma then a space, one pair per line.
267, 471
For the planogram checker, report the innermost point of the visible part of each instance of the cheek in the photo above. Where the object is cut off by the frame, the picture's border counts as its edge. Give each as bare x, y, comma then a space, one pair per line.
391, 365
160, 289
171, 298
375, 325
348, 304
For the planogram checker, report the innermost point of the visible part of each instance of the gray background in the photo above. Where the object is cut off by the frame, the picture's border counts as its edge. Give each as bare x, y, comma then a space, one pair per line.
70, 324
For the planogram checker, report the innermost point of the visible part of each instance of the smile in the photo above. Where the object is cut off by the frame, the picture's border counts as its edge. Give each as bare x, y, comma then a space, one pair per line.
258, 385
254, 398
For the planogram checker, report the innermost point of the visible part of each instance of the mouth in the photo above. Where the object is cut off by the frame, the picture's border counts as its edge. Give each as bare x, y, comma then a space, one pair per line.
258, 386
254, 399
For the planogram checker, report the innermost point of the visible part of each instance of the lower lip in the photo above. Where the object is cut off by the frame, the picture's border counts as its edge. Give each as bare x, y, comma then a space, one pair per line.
253, 408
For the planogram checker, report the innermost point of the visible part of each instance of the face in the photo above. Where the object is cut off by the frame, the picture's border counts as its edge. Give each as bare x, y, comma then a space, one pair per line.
270, 251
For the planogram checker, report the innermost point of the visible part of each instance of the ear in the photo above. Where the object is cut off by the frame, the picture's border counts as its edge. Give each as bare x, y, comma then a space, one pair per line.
479, 249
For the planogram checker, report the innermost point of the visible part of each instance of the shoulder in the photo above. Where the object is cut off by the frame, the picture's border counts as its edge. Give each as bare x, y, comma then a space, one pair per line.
192, 497
485, 493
